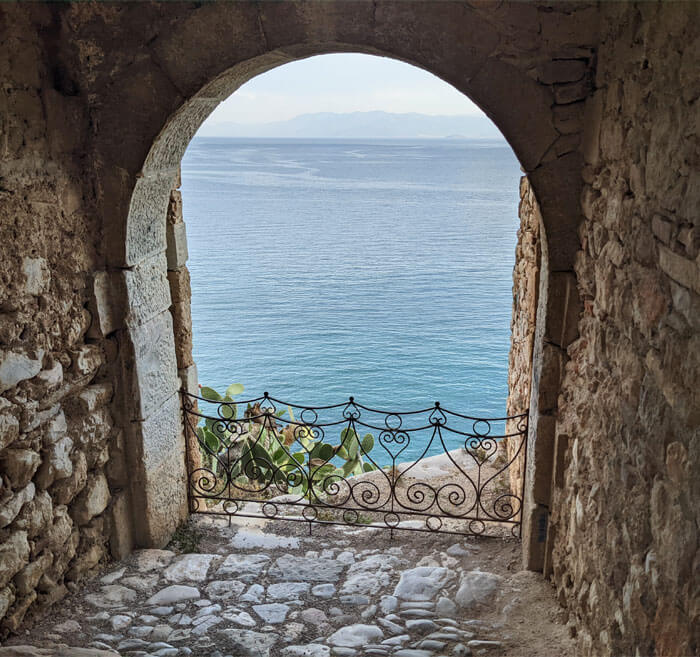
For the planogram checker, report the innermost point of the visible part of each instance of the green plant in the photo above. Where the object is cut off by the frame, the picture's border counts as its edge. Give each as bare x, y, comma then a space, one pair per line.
259, 450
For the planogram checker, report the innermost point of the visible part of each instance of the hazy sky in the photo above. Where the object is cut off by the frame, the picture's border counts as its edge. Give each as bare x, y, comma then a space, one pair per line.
341, 83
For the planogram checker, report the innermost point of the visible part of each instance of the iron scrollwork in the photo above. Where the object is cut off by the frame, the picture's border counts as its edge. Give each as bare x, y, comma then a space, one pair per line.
431, 470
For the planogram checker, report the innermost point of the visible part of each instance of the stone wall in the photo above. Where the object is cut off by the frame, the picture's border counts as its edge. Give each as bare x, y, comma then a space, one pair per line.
58, 496
625, 515
528, 253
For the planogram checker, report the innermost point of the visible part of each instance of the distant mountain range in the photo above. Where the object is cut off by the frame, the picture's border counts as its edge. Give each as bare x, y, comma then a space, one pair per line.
375, 125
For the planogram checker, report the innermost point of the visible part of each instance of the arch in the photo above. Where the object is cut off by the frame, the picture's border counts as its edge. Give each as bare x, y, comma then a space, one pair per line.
164, 86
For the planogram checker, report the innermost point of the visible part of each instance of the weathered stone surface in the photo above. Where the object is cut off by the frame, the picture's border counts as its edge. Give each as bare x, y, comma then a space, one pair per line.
92, 501
56, 463
172, 594
11, 503
176, 250
273, 613
423, 583
14, 555
355, 636
476, 587
147, 289
293, 568
247, 643
112, 595
189, 567
308, 650
16, 366
57, 651
19, 465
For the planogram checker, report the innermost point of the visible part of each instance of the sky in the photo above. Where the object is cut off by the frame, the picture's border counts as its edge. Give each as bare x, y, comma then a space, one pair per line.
341, 83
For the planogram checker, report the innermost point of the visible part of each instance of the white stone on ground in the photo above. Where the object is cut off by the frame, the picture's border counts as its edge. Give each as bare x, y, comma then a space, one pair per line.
476, 587
445, 607
292, 568
287, 590
173, 594
224, 589
246, 539
246, 567
354, 636
246, 643
309, 650
323, 591
147, 560
189, 567
112, 595
241, 618
423, 583
112, 577
273, 613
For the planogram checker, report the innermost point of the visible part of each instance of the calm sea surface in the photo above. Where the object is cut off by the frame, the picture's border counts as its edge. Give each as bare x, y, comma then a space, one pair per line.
328, 268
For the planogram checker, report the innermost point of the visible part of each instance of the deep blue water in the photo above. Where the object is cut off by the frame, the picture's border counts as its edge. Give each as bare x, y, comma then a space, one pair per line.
328, 268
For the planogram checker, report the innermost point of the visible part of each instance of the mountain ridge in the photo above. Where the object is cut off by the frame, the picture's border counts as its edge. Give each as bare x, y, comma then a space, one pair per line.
373, 124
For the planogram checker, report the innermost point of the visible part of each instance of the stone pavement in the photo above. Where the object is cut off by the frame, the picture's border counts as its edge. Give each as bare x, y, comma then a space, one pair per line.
343, 592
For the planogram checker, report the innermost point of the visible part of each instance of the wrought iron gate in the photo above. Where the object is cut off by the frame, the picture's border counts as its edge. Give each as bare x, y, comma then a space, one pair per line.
427, 470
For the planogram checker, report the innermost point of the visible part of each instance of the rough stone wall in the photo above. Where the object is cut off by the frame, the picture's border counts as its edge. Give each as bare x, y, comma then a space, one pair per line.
57, 497
626, 514
525, 287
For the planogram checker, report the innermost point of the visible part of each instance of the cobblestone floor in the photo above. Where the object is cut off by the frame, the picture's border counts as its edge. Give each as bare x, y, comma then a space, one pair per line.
257, 590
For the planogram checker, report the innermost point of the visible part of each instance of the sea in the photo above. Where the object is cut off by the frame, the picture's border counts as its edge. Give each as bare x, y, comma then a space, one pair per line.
380, 269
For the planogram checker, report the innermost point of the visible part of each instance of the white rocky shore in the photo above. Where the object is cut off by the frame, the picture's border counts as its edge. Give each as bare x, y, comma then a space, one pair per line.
342, 592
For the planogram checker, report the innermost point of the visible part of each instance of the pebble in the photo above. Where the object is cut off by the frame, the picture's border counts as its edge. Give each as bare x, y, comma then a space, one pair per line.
445, 607
416, 613
396, 640
308, 650
412, 652
388, 603
324, 591
273, 613
356, 599
390, 626
112, 577
354, 636
475, 644
170, 594
422, 626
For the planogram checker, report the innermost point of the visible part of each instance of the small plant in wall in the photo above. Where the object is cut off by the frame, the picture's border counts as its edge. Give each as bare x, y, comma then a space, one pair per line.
261, 446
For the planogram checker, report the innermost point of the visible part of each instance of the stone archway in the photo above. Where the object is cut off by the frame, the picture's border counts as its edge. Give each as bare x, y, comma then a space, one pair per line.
175, 69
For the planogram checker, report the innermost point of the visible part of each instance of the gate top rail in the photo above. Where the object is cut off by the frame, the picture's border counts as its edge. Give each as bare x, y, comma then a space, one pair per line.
437, 415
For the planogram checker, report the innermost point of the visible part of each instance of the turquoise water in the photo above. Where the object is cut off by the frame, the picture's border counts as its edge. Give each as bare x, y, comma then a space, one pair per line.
325, 268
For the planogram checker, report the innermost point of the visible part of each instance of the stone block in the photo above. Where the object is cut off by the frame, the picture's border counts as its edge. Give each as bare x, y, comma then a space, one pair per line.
14, 555
87, 359
180, 290
535, 528
28, 578
94, 396
36, 515
147, 290
7, 597
564, 308
19, 465
189, 379
52, 377
107, 295
145, 231
36, 276
182, 323
153, 370
680, 269
11, 503
175, 205
56, 463
590, 139
169, 148
121, 540
16, 366
156, 453
571, 92
176, 252
9, 429
92, 501
540, 458
562, 70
